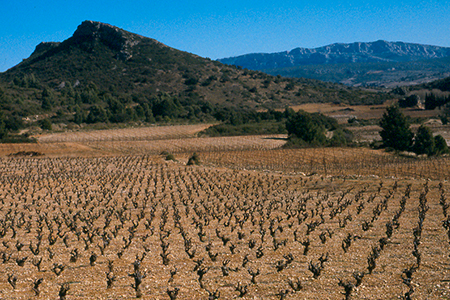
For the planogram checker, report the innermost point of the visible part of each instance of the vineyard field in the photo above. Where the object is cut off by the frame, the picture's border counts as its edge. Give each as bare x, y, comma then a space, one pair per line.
112, 219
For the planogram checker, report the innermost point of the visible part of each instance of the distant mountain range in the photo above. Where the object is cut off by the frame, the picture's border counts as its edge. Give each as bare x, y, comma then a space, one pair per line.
379, 63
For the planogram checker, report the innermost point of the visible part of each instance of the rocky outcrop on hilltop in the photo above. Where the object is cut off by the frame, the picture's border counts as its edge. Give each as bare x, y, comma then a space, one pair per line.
115, 38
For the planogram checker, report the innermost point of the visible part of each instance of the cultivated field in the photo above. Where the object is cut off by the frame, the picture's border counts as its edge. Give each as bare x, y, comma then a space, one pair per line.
126, 134
344, 112
111, 219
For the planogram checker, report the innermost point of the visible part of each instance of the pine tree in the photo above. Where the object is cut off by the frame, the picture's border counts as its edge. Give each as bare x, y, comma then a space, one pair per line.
424, 141
430, 101
395, 133
48, 100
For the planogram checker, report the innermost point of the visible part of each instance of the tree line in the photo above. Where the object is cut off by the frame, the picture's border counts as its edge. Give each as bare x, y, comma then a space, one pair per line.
306, 130
310, 129
396, 134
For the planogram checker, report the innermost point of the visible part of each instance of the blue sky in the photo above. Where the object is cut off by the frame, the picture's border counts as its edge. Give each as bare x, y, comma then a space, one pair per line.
218, 29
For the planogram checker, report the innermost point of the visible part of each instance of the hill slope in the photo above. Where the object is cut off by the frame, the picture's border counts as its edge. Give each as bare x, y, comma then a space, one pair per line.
377, 74
102, 67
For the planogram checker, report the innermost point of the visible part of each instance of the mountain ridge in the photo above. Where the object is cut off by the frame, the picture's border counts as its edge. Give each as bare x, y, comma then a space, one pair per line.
375, 64
378, 51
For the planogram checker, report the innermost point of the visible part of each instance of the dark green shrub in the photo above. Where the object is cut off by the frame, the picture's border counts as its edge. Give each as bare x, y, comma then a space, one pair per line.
341, 138
303, 127
170, 156
194, 160
97, 114
3, 132
46, 124
409, 101
440, 145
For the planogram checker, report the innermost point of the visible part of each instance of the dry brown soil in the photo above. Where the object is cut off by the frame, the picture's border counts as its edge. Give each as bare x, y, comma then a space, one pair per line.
254, 221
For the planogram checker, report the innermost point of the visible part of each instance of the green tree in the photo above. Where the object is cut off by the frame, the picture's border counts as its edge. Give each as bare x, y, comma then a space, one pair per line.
409, 101
48, 99
167, 106
440, 145
290, 86
341, 138
97, 114
139, 112
303, 127
445, 116
14, 123
430, 101
148, 113
117, 111
288, 112
3, 132
79, 116
31, 81
424, 141
395, 133
46, 124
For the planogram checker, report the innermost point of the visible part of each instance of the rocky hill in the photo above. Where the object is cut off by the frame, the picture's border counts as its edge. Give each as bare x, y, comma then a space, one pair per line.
106, 73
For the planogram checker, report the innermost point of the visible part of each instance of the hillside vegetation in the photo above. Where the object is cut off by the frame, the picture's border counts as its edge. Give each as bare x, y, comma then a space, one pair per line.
375, 74
103, 74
